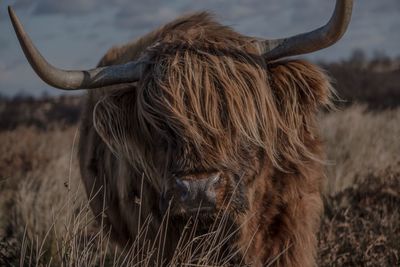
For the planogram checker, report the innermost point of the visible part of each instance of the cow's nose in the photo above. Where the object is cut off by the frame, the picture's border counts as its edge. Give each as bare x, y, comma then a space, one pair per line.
196, 191
190, 193
179, 193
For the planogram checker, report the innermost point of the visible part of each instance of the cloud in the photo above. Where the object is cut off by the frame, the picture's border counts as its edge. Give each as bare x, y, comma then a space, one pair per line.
68, 7
374, 22
87, 28
144, 16
259, 17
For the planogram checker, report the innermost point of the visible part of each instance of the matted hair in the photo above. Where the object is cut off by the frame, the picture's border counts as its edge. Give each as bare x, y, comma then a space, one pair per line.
208, 90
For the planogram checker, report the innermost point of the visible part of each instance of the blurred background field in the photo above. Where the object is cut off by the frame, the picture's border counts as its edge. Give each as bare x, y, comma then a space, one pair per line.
44, 216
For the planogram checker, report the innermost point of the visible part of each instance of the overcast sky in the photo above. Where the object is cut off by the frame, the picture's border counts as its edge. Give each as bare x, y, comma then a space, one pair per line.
76, 33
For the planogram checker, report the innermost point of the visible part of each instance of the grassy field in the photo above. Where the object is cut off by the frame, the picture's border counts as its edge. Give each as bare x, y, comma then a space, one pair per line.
44, 214
361, 224
44, 210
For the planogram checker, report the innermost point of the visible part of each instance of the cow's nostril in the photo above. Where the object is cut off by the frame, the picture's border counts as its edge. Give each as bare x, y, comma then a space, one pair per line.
184, 195
183, 189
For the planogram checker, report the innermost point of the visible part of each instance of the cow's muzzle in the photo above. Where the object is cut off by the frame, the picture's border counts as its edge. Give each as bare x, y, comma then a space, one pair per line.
190, 194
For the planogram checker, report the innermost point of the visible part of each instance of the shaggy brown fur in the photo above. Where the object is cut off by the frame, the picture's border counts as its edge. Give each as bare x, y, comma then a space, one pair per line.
209, 101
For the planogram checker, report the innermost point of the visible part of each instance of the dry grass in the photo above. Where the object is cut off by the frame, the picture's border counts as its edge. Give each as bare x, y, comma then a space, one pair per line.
360, 143
361, 224
45, 219
39, 174
362, 210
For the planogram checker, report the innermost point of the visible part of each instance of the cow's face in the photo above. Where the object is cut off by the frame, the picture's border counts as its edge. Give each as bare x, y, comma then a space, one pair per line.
196, 123
190, 176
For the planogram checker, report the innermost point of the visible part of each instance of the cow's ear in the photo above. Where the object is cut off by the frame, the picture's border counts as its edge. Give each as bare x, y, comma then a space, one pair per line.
112, 119
300, 87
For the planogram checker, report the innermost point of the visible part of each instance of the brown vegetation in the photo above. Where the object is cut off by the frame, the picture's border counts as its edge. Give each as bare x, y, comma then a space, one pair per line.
361, 224
42, 202
374, 82
43, 113
45, 218
360, 143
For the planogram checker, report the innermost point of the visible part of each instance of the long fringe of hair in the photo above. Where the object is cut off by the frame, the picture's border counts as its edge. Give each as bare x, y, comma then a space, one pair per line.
209, 94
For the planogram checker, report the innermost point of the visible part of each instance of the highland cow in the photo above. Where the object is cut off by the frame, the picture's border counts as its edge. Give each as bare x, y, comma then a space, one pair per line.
195, 118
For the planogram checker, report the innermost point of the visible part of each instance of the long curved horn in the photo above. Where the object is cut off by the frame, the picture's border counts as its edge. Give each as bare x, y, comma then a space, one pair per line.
311, 41
74, 79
